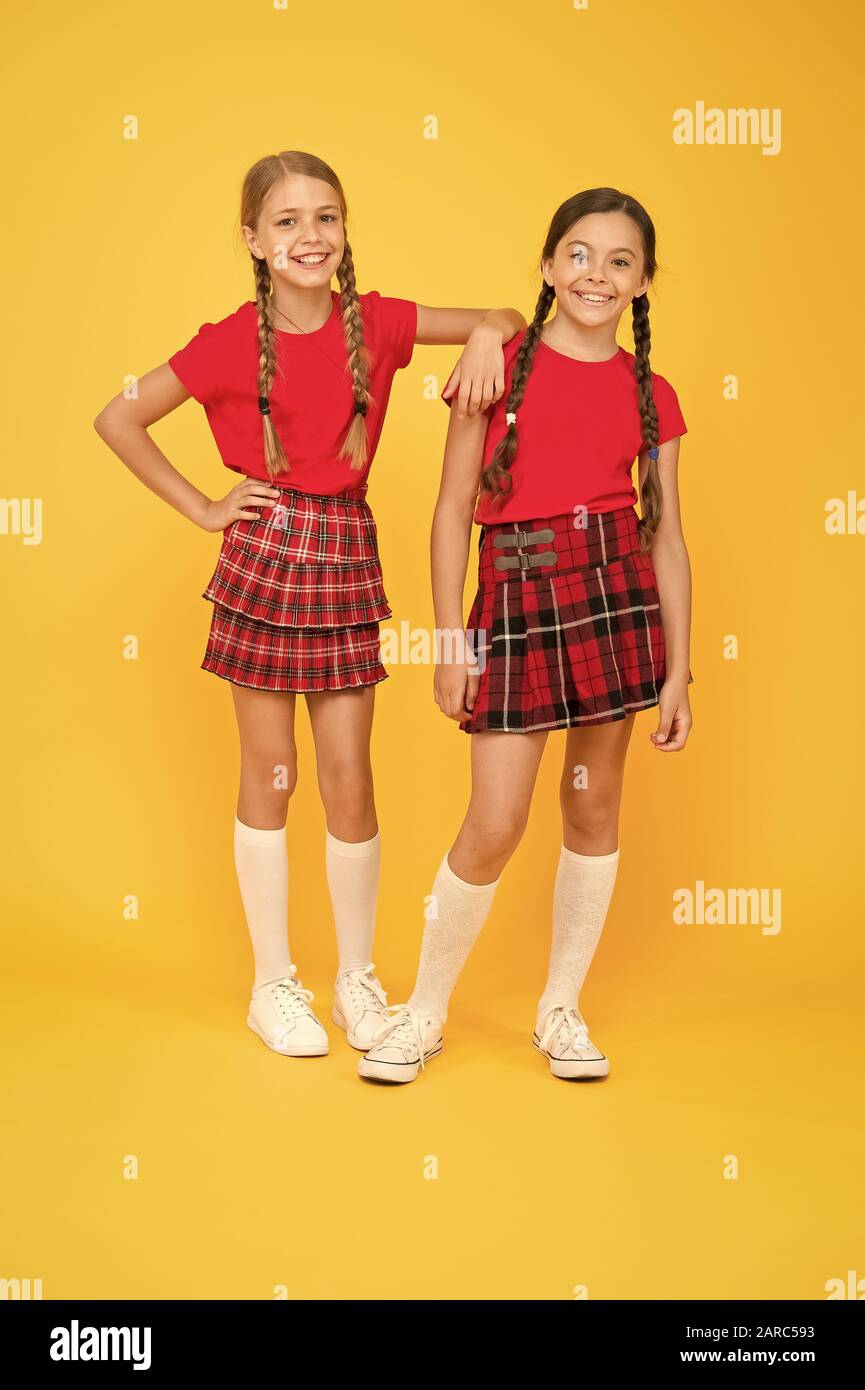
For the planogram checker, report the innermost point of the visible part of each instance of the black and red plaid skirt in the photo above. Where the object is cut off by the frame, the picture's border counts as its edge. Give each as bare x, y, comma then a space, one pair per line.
297, 596
566, 623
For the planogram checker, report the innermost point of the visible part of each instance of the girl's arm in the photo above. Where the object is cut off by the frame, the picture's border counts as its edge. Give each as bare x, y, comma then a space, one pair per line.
456, 676
673, 571
479, 375
440, 326
123, 425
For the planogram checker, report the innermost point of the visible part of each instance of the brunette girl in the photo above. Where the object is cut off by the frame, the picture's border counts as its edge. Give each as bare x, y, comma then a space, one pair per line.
581, 618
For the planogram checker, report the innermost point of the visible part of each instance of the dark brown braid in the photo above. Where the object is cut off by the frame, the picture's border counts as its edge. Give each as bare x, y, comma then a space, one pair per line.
496, 477
256, 185
356, 443
650, 492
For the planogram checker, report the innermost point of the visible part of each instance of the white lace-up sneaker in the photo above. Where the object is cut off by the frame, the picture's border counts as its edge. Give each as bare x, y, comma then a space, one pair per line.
359, 1006
403, 1046
279, 1013
564, 1040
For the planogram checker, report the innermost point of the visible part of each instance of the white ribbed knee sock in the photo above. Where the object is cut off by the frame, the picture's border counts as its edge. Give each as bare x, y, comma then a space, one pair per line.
584, 886
460, 910
352, 877
261, 860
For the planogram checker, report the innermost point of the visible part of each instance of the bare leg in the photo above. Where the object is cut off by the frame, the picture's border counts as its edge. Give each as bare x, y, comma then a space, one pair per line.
268, 755
341, 726
591, 787
504, 771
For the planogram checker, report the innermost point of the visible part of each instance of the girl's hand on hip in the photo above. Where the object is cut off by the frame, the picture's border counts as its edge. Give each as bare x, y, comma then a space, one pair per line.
237, 504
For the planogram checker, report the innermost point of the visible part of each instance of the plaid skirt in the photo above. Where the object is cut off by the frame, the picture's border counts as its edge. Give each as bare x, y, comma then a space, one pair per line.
566, 624
297, 596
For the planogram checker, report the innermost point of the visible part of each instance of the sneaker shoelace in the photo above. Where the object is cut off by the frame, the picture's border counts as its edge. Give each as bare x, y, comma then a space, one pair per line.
365, 991
290, 998
406, 1031
570, 1025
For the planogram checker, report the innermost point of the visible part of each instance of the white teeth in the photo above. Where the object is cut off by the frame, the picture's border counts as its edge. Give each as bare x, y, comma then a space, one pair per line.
311, 260
595, 298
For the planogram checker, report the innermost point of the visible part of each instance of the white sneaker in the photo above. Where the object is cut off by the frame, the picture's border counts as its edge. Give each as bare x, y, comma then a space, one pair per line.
359, 1006
279, 1013
403, 1046
564, 1040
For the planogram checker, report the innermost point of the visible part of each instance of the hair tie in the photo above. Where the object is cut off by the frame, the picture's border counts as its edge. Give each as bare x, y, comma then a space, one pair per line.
360, 407
264, 405
510, 418
653, 453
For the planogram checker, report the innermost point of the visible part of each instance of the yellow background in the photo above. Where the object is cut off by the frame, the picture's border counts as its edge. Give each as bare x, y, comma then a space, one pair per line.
121, 776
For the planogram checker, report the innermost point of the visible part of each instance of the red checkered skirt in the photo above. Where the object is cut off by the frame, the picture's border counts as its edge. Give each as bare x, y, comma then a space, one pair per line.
574, 640
297, 596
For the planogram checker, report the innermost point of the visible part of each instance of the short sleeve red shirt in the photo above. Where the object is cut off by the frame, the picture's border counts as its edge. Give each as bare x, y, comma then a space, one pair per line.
579, 434
311, 399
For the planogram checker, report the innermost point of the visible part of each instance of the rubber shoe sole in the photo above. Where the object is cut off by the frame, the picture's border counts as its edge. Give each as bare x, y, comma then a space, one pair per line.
570, 1069
309, 1050
395, 1072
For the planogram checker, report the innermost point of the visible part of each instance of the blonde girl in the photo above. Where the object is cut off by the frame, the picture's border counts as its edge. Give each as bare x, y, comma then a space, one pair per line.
295, 385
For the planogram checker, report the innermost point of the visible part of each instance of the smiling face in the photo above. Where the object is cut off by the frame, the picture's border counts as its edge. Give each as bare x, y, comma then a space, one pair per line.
300, 231
597, 269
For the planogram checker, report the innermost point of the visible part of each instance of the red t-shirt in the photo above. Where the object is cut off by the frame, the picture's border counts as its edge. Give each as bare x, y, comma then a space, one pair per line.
311, 403
579, 434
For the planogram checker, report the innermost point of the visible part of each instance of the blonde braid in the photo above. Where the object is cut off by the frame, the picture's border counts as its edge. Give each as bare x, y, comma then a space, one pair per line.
356, 443
496, 477
274, 453
652, 496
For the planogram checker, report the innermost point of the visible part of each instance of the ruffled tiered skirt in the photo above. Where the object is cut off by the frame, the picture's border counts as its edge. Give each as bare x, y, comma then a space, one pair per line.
297, 596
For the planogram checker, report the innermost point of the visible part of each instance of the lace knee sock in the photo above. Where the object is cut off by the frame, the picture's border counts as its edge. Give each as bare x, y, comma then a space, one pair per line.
584, 886
460, 910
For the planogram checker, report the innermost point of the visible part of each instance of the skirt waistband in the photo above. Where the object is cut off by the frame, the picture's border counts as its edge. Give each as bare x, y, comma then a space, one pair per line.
578, 540
351, 494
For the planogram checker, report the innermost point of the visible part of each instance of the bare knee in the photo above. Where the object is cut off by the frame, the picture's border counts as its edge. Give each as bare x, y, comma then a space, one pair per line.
590, 823
347, 795
485, 844
268, 779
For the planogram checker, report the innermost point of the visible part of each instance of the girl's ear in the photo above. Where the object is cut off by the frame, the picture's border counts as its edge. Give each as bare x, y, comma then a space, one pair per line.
547, 271
252, 242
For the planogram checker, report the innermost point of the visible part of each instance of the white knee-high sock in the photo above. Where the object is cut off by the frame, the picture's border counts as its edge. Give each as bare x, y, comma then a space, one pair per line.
584, 886
261, 860
457, 913
352, 876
